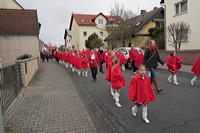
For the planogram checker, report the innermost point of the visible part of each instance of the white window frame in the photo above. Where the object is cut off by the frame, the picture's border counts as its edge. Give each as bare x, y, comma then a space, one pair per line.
101, 33
100, 21
179, 7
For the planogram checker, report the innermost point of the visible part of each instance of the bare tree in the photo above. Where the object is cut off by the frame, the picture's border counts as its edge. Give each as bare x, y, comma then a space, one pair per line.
178, 32
123, 30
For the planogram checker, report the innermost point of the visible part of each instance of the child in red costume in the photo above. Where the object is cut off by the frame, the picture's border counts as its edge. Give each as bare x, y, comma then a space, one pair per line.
196, 70
85, 65
140, 92
174, 64
117, 79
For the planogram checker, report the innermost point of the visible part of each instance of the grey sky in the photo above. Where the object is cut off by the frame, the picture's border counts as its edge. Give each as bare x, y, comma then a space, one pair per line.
54, 15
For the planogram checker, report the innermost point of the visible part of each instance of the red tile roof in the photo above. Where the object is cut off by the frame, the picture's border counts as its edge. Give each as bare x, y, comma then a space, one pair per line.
18, 21
86, 19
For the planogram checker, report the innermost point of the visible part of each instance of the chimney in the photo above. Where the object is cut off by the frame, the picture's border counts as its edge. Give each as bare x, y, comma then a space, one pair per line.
142, 12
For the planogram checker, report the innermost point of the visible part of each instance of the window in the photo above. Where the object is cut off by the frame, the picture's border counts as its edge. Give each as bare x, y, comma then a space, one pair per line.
85, 33
185, 36
181, 7
100, 21
101, 33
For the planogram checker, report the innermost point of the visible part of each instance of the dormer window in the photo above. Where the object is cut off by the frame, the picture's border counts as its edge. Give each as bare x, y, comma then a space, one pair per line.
82, 20
100, 21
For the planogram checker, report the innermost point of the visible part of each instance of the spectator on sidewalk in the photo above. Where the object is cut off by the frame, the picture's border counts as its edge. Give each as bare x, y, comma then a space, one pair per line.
196, 70
174, 64
140, 92
151, 59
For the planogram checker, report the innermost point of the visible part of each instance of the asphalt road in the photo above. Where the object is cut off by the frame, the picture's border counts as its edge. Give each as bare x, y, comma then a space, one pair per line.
176, 110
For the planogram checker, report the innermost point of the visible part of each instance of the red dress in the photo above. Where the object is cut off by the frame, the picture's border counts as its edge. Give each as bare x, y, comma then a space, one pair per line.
85, 63
108, 71
196, 67
140, 90
139, 59
174, 63
117, 78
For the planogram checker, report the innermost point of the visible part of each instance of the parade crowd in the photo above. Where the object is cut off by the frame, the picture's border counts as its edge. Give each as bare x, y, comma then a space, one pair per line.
144, 64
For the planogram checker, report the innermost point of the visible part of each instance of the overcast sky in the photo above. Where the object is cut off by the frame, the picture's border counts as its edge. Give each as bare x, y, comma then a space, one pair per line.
54, 15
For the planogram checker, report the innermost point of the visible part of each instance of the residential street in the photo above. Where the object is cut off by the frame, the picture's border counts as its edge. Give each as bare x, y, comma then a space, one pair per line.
175, 110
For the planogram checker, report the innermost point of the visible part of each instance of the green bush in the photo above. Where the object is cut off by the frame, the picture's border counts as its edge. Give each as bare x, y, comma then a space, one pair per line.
24, 56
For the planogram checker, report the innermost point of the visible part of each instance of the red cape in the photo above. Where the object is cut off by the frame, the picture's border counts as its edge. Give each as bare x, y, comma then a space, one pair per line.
140, 90
117, 78
196, 67
174, 63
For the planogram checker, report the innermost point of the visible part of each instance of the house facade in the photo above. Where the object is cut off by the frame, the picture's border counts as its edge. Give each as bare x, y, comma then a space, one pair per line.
19, 34
183, 11
83, 25
140, 30
10, 4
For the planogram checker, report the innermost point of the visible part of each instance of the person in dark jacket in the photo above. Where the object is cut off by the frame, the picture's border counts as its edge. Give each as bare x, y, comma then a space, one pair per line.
151, 59
101, 59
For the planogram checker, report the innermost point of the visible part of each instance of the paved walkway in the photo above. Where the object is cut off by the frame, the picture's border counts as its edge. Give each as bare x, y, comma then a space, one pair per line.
49, 105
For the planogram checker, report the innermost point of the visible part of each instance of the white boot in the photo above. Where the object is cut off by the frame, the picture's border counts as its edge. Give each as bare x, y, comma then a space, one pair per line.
175, 80
112, 91
117, 100
79, 72
144, 114
170, 78
193, 80
86, 73
73, 69
123, 68
134, 110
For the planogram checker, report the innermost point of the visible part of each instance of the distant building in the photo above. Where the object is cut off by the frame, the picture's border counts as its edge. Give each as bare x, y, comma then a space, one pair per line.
10, 4
141, 28
83, 25
186, 11
19, 34
68, 39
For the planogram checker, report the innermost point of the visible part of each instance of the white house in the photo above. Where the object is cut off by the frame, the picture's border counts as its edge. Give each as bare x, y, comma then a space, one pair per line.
186, 11
83, 25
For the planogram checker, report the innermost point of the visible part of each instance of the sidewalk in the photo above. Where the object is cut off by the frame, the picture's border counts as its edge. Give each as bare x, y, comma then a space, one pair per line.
49, 105
184, 68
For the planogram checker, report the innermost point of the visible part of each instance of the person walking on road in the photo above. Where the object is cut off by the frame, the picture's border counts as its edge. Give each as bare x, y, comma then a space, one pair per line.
117, 79
174, 64
140, 92
196, 70
151, 59
94, 63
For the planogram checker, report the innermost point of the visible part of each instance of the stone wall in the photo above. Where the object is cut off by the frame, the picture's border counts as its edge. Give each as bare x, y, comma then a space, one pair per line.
188, 56
28, 68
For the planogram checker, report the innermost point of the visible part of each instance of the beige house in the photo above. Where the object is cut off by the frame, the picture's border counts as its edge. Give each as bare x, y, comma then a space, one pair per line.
141, 28
186, 11
19, 30
83, 25
10, 4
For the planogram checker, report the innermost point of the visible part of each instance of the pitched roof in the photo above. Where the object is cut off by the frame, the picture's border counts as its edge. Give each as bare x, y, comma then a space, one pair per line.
18, 4
137, 23
18, 22
86, 19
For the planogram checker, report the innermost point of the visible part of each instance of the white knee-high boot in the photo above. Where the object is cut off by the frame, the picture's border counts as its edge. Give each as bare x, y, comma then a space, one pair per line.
112, 91
144, 114
117, 100
86, 73
79, 72
193, 80
134, 110
170, 78
175, 79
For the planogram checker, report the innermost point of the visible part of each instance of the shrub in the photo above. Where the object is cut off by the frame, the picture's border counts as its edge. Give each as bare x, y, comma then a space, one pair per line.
24, 56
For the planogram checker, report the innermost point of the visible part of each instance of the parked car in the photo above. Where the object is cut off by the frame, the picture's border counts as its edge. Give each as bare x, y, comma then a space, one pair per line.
126, 54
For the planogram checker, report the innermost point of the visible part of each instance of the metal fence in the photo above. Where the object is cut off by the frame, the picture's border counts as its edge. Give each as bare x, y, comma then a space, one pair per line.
10, 85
